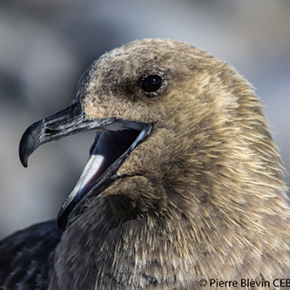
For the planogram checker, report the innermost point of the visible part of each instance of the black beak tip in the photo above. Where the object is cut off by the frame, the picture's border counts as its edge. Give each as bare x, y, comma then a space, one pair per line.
29, 142
51, 128
24, 161
61, 222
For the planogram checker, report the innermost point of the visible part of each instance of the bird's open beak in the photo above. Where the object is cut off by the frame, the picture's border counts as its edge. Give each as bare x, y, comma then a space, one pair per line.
114, 142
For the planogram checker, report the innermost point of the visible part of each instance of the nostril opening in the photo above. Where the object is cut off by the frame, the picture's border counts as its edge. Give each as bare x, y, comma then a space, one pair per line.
50, 131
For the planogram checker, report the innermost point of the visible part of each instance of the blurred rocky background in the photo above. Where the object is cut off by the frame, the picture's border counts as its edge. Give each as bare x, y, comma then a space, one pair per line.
46, 45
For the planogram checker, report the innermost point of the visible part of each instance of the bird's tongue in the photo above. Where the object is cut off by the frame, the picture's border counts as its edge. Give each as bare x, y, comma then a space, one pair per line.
108, 148
107, 155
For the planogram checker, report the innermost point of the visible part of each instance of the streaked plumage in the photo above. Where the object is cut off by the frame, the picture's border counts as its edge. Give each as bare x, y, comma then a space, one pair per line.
198, 195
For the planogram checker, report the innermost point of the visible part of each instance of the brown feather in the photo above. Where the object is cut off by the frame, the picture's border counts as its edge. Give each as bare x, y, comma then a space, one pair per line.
201, 198
205, 187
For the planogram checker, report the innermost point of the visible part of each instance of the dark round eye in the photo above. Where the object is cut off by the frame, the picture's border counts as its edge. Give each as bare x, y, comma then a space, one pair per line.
151, 83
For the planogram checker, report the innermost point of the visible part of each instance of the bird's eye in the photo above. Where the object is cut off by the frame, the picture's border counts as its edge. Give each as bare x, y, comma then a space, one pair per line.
151, 83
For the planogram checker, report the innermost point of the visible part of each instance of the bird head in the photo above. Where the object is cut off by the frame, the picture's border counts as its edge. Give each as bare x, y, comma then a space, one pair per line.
176, 128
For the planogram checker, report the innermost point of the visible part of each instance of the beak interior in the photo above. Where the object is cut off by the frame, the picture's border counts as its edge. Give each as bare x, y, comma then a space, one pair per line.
107, 154
109, 147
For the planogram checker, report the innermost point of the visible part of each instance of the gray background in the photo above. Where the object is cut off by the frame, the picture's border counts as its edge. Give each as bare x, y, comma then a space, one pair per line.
46, 45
